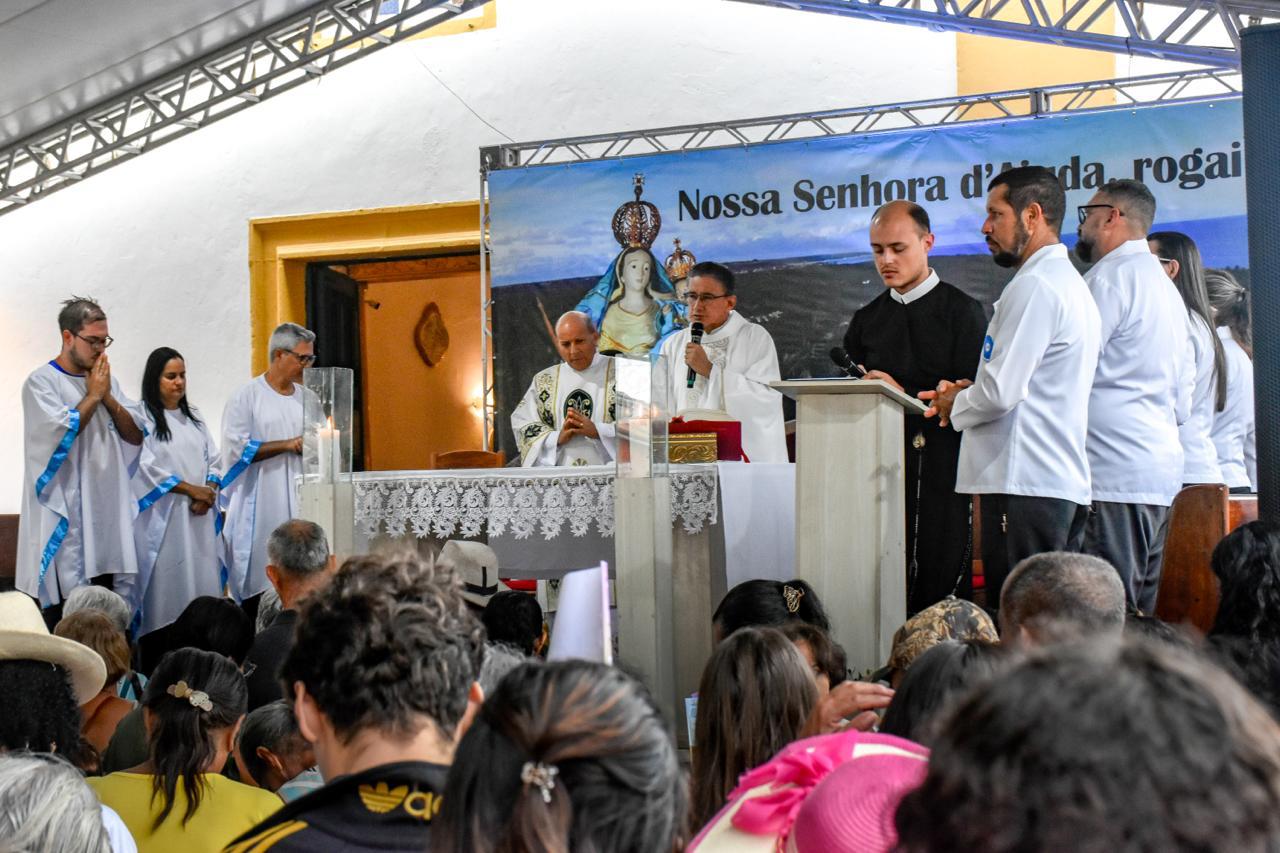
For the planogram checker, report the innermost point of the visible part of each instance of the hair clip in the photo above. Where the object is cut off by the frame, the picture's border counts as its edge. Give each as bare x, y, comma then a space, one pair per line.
197, 698
541, 775
792, 596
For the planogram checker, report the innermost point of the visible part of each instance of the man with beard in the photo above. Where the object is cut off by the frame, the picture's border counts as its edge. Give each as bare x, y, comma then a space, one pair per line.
1141, 391
916, 333
80, 437
1024, 418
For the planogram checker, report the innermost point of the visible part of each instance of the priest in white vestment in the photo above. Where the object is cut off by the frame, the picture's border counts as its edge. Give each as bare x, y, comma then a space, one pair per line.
732, 366
80, 441
261, 457
567, 415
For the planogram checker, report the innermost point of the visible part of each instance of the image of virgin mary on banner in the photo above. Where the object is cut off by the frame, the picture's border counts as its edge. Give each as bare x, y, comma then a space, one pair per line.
634, 305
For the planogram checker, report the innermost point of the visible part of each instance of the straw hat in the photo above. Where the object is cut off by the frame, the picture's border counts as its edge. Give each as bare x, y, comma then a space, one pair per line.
476, 564
24, 636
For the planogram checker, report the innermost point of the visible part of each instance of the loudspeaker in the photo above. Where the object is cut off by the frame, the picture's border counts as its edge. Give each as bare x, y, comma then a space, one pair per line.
1260, 51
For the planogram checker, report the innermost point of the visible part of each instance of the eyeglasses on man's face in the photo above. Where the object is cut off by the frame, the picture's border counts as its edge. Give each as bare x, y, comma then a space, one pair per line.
695, 298
303, 358
96, 343
1083, 210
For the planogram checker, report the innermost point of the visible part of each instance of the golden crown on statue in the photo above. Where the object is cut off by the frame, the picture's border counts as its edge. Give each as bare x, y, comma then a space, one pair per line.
679, 262
636, 223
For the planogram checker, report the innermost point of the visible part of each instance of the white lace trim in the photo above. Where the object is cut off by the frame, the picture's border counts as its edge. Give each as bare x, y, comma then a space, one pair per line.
516, 502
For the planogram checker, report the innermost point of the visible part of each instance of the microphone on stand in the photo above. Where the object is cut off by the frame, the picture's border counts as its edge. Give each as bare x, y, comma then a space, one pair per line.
846, 365
695, 336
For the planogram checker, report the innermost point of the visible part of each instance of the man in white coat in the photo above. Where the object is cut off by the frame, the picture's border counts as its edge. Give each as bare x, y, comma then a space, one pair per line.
80, 438
567, 415
1024, 418
1142, 389
732, 365
261, 457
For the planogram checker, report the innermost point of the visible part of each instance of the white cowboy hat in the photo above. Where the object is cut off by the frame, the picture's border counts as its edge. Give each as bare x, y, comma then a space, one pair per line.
477, 566
24, 636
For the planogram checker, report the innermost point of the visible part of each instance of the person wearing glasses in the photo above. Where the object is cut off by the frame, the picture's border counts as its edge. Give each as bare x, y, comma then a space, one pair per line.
566, 416
732, 365
261, 456
1024, 418
80, 438
1142, 390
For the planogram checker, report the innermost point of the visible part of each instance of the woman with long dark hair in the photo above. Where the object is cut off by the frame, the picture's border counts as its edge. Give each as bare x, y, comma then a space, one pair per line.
1180, 258
177, 799
1233, 426
564, 756
175, 487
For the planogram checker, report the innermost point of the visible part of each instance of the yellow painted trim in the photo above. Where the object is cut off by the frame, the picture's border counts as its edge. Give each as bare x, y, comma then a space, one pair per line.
280, 247
487, 21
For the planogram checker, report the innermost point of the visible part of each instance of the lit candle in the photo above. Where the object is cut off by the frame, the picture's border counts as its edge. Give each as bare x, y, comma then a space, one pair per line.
329, 449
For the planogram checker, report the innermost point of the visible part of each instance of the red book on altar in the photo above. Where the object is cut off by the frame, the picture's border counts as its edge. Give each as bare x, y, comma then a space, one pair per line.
728, 435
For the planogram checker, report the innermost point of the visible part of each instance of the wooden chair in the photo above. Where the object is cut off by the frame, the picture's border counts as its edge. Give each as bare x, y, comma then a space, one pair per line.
469, 459
1198, 520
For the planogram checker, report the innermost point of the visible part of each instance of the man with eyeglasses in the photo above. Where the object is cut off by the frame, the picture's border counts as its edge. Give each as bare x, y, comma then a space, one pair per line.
732, 365
80, 437
1141, 391
261, 457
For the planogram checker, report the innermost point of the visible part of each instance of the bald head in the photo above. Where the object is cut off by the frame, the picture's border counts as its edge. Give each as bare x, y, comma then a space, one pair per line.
576, 339
900, 244
897, 210
1060, 596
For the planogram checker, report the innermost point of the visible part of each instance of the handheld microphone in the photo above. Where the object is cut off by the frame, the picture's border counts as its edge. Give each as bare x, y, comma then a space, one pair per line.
842, 360
695, 336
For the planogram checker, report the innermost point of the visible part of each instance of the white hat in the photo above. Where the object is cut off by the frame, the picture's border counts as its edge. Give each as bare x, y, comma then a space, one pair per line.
24, 636
476, 564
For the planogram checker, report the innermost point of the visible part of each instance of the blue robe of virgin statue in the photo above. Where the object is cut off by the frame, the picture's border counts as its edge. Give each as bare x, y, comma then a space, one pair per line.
668, 312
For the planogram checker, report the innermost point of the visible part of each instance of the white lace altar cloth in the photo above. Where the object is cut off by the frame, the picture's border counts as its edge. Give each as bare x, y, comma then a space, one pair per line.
516, 502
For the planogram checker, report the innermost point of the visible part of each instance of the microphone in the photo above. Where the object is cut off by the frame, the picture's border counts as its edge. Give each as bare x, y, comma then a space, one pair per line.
846, 365
695, 336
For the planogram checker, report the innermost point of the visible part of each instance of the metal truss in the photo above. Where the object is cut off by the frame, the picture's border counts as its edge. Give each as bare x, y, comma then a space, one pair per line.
1205, 32
1174, 87
290, 52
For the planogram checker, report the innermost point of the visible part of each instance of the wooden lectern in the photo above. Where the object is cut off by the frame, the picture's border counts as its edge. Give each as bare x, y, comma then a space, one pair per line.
850, 511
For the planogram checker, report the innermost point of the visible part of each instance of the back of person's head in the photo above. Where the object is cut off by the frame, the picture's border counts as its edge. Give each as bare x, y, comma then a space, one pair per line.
1153, 628
1189, 279
193, 702
569, 755
385, 645
38, 710
1135, 199
1247, 565
825, 656
1229, 300
298, 548
769, 603
1059, 595
46, 807
270, 750
90, 597
1110, 745
756, 694
937, 677
515, 619
1028, 185
499, 659
213, 624
949, 619
95, 629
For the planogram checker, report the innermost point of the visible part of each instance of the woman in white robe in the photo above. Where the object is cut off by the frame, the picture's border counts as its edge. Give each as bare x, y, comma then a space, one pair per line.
1233, 430
175, 486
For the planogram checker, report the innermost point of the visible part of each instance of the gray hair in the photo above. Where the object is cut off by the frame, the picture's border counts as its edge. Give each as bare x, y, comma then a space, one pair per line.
78, 312
46, 806
499, 659
90, 597
273, 726
268, 609
1137, 202
287, 336
298, 547
1059, 595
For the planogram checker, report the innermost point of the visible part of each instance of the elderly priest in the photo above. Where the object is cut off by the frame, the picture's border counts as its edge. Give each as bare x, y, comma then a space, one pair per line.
566, 416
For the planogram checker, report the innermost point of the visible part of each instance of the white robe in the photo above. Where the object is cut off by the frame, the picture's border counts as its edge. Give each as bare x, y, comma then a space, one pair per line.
538, 419
77, 506
743, 363
258, 496
177, 551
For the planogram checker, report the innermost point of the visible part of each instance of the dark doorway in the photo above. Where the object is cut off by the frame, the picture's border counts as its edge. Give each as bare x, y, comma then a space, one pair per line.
333, 313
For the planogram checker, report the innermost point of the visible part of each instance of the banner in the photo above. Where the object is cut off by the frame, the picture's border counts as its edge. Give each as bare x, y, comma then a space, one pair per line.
790, 219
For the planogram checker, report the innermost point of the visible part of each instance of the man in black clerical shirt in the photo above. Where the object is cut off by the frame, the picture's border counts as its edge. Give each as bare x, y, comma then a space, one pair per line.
915, 334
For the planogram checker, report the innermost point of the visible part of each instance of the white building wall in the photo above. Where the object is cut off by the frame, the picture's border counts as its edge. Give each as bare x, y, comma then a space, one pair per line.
162, 241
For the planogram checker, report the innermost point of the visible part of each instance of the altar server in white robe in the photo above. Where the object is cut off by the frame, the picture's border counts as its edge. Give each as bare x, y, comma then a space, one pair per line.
261, 457
1233, 432
567, 415
175, 486
80, 440
733, 365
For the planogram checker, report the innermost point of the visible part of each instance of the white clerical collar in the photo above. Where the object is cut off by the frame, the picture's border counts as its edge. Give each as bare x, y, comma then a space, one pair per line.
727, 326
920, 290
